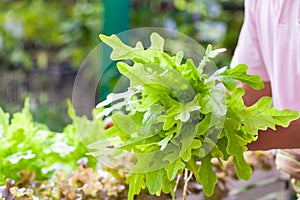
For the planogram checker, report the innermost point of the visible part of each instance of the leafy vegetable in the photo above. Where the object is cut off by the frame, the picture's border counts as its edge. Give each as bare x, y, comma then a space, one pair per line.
28, 145
175, 115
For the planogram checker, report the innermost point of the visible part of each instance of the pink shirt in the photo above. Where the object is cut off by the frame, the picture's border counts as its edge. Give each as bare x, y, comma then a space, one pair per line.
269, 44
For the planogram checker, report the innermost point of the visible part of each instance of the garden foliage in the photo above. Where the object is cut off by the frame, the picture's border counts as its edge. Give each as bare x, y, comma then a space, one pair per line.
29, 37
27, 145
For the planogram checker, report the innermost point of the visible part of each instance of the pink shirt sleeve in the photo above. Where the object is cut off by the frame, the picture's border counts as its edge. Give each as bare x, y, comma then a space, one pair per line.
248, 49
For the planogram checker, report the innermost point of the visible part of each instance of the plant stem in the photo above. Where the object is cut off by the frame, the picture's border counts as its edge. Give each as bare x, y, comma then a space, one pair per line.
187, 178
177, 182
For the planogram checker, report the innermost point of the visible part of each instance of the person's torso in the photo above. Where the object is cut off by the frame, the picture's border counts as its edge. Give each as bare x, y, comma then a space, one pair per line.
278, 29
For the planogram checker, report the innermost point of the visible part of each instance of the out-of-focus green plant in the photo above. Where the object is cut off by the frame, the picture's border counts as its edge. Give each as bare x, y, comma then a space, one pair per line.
40, 31
33, 31
49, 114
28, 145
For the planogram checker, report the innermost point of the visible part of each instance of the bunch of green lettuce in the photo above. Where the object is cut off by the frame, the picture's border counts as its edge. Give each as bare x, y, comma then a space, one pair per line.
31, 146
174, 116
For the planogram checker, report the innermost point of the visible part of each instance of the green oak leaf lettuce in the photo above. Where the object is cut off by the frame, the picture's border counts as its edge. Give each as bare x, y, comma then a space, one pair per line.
176, 116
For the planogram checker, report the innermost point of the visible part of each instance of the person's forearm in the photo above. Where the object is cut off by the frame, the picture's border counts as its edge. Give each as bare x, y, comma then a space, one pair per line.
281, 138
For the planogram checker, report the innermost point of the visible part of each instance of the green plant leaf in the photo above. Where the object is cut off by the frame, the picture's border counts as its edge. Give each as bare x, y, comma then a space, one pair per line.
281, 117
173, 168
136, 183
229, 78
213, 101
236, 147
207, 177
154, 181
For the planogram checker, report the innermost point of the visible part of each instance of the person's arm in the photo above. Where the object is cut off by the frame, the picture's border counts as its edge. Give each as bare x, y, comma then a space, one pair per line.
281, 138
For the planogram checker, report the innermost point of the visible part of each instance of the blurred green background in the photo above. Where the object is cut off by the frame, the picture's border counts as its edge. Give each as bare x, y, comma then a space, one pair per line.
43, 42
